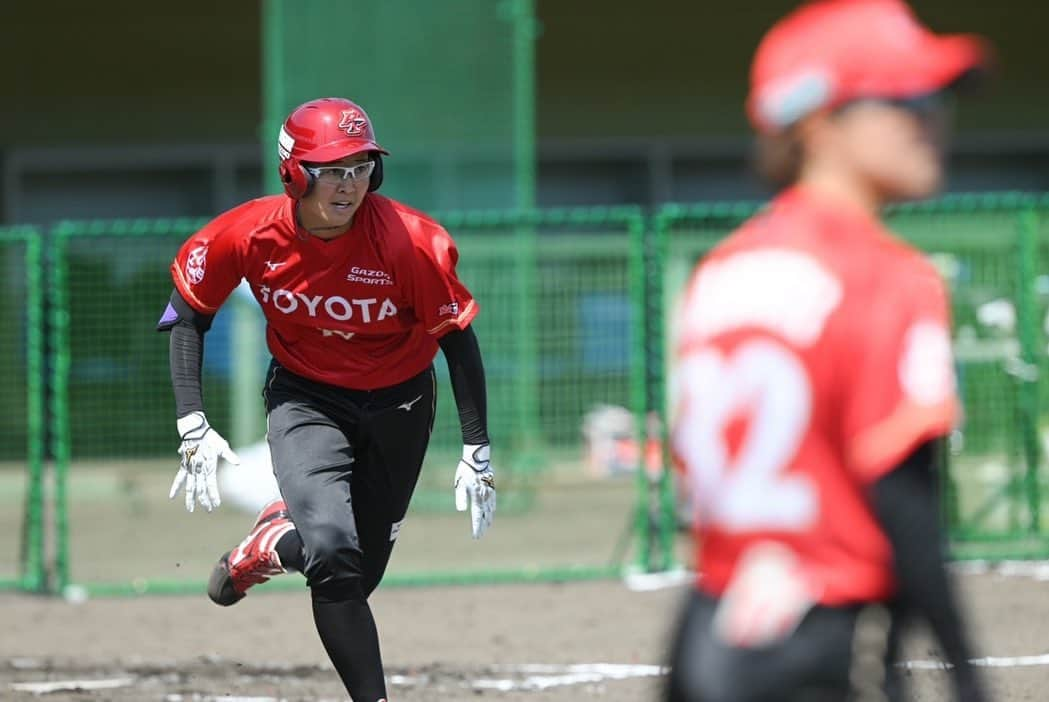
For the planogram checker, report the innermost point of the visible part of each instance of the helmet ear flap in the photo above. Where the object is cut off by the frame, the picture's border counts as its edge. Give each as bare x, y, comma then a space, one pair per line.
375, 180
297, 180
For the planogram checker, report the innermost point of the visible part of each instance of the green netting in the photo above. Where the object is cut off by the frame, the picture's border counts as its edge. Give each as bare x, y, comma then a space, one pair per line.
21, 396
556, 324
986, 248
568, 325
449, 86
1041, 318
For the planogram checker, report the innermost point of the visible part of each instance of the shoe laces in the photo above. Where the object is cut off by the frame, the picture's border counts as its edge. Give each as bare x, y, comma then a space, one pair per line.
257, 569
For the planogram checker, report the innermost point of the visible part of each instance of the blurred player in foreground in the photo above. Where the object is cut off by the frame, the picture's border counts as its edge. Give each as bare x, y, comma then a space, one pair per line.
815, 377
359, 291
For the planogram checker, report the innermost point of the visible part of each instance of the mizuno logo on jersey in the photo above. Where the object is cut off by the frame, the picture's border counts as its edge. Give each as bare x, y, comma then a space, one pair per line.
334, 307
274, 265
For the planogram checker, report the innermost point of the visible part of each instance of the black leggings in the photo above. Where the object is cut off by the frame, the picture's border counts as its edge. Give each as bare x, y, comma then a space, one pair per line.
835, 655
347, 462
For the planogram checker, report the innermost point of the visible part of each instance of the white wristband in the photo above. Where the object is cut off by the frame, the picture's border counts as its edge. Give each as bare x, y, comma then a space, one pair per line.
476, 454
194, 421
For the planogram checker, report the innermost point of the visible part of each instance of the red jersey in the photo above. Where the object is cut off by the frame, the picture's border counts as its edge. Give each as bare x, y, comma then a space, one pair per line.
361, 311
813, 357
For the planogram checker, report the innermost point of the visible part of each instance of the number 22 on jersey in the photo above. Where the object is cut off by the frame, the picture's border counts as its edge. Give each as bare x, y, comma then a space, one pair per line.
744, 417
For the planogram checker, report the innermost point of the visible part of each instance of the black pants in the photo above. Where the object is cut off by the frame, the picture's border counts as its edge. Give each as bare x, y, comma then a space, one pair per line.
835, 655
347, 462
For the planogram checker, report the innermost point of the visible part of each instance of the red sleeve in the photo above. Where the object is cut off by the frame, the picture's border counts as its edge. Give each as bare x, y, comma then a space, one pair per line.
440, 300
901, 388
209, 265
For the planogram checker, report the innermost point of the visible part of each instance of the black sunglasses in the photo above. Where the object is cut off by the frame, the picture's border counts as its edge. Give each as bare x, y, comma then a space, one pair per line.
929, 105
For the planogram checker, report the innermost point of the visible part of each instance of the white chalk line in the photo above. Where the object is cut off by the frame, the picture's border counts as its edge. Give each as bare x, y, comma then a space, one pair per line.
225, 698
528, 677
1037, 570
988, 662
543, 676
43, 688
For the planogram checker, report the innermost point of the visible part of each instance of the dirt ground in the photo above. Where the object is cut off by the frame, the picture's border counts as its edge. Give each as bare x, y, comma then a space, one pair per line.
503, 643
439, 643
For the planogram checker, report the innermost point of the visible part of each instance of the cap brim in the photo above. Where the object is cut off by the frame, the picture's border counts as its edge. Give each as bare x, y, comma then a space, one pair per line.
946, 60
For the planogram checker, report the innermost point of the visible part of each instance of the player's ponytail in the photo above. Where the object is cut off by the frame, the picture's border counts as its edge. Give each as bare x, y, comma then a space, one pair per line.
778, 158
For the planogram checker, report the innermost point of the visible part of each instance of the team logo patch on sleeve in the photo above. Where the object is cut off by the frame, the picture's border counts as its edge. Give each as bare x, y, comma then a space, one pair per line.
195, 264
926, 367
451, 308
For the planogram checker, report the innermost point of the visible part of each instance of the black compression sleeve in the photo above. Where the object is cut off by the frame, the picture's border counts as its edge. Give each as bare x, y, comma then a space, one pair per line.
468, 383
178, 309
186, 352
186, 355
906, 504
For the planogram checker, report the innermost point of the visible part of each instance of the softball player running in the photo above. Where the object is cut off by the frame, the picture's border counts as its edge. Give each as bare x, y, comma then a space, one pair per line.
815, 377
358, 291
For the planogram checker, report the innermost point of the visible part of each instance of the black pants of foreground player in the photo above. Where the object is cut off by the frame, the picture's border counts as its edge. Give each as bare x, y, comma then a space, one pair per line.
834, 655
347, 463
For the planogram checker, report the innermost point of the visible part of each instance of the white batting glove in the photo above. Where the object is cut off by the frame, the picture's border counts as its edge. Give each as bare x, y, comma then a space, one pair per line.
201, 449
475, 487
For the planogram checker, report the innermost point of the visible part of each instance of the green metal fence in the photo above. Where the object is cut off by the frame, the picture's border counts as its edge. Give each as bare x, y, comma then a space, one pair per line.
452, 98
991, 250
557, 313
575, 321
22, 422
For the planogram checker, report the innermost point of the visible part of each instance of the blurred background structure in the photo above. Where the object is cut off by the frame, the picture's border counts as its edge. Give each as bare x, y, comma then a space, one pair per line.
583, 154
126, 110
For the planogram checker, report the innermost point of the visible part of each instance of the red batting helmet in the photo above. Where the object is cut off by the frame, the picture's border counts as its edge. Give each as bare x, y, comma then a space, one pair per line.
829, 52
321, 131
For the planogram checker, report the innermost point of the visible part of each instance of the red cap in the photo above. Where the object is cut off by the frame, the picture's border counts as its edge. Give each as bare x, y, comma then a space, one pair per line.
326, 129
831, 51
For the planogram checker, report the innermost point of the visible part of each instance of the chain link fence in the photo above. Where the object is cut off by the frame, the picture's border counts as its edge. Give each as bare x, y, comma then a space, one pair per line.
575, 329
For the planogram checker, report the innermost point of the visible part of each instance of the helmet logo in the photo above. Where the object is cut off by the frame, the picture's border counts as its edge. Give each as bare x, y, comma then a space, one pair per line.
352, 122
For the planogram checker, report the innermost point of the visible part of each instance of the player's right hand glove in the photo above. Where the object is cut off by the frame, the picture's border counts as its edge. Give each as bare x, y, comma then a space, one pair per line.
201, 449
475, 487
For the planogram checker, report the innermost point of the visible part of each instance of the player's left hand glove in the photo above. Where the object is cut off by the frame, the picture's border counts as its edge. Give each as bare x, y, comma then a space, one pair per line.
475, 487
201, 449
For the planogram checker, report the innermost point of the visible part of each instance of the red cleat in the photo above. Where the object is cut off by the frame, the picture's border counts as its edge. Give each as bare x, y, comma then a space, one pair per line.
254, 561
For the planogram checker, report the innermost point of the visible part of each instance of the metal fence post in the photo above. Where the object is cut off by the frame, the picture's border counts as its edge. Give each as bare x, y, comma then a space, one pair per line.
1026, 317
33, 576
60, 363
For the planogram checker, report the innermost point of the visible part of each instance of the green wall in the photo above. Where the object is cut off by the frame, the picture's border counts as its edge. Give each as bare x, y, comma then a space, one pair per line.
675, 67
132, 71
188, 70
